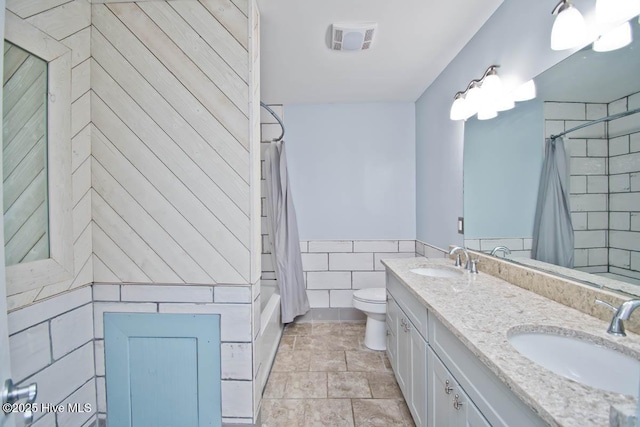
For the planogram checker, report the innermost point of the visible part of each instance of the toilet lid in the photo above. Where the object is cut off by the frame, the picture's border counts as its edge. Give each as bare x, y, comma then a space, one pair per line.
374, 295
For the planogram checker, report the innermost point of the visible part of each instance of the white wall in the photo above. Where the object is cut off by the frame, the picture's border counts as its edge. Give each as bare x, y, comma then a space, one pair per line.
352, 170
517, 38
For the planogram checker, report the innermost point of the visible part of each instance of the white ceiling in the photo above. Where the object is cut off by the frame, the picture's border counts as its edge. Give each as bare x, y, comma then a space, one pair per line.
415, 41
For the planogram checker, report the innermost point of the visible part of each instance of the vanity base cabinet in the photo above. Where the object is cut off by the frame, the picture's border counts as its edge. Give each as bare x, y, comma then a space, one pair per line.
407, 347
494, 402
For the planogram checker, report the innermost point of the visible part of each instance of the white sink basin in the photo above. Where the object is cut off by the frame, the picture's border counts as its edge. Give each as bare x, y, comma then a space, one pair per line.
582, 361
437, 272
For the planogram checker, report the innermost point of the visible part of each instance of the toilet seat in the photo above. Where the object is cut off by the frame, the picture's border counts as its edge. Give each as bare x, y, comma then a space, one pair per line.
371, 295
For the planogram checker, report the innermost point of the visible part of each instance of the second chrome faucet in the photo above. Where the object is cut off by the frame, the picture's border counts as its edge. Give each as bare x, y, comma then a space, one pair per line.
616, 327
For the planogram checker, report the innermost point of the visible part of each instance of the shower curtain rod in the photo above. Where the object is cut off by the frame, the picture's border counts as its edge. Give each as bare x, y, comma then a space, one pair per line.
273, 113
593, 122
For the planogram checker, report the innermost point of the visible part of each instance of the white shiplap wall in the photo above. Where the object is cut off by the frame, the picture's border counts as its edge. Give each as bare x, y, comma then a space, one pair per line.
171, 166
68, 22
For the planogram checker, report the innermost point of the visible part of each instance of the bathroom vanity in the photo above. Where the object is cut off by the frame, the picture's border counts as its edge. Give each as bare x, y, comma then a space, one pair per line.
448, 344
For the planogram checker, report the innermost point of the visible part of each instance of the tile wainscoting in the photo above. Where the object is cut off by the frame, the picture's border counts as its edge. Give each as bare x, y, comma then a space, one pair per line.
334, 269
59, 344
51, 343
237, 327
519, 246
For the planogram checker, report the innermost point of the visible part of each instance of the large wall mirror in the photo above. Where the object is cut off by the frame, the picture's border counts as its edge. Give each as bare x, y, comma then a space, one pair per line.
503, 160
36, 158
24, 156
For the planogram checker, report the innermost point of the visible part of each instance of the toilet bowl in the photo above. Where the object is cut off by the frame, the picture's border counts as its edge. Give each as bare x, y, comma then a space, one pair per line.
373, 302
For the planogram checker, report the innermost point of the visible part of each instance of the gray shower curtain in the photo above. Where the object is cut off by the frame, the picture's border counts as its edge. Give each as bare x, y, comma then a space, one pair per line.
283, 230
553, 239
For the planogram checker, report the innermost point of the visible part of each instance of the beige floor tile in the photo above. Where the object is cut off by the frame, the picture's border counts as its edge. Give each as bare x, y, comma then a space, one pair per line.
365, 361
275, 385
353, 329
328, 361
324, 376
282, 413
291, 361
335, 343
328, 413
348, 385
298, 329
306, 385
332, 329
303, 343
384, 386
377, 412
287, 342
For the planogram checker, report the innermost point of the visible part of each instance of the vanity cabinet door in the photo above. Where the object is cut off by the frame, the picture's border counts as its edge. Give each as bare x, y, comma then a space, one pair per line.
448, 404
418, 401
392, 332
404, 356
440, 386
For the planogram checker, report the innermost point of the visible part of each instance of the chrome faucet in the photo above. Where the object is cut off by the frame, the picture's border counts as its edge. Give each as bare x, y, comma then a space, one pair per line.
455, 251
502, 249
616, 327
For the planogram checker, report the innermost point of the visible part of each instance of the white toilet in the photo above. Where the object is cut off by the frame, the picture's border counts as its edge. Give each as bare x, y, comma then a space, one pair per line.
373, 302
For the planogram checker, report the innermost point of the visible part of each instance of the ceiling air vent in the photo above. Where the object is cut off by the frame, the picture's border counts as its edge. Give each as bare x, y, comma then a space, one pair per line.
353, 36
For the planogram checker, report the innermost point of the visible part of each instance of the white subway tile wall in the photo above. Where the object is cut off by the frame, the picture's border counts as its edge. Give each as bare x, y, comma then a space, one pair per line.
520, 247
334, 269
51, 343
624, 191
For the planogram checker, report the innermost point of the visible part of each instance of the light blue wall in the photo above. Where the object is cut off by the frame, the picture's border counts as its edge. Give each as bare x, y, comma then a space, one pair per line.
517, 38
352, 169
504, 154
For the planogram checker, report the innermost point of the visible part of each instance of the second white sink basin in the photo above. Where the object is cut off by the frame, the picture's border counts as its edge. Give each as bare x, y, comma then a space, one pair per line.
437, 272
582, 361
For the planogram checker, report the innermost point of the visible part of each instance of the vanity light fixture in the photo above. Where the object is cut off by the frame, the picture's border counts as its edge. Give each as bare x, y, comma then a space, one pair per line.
459, 110
616, 38
569, 29
614, 11
482, 96
525, 91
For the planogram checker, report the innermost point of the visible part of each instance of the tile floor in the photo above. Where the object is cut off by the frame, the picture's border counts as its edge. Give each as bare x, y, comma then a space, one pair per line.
324, 376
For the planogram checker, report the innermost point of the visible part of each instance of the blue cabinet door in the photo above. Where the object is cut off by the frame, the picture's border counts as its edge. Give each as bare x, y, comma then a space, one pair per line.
162, 370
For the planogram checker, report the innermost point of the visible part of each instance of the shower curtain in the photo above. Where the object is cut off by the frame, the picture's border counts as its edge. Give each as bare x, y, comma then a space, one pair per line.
553, 239
283, 230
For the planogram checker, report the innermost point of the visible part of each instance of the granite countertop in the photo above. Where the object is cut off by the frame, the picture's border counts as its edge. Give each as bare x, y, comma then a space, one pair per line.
481, 309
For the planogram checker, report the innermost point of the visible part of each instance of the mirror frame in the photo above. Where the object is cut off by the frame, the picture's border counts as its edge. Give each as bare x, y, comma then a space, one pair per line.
60, 264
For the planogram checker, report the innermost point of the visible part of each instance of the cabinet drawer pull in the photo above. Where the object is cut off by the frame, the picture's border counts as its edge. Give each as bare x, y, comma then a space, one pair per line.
407, 327
456, 403
402, 321
447, 388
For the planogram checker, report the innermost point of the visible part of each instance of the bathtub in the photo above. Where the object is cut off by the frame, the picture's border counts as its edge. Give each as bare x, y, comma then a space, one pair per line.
271, 331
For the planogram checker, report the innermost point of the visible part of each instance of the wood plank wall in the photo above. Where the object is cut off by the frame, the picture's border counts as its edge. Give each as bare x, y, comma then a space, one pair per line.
172, 165
68, 22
